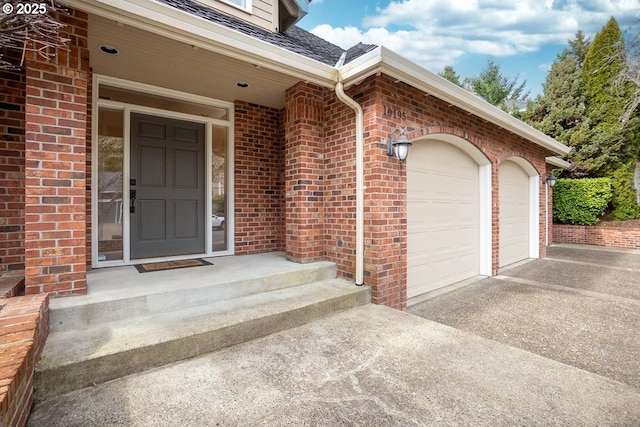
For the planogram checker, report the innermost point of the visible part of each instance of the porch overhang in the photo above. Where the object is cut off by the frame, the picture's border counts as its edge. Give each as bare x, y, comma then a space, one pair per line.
165, 21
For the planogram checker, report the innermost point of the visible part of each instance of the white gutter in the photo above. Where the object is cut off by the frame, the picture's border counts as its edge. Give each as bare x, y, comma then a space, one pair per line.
359, 180
383, 60
166, 21
558, 162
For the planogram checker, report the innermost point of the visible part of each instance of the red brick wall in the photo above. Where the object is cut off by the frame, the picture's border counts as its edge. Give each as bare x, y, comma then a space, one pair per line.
12, 169
259, 179
385, 178
55, 116
609, 236
339, 185
304, 173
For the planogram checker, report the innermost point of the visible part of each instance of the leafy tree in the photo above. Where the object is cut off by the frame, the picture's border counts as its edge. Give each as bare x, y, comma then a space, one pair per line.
496, 88
450, 74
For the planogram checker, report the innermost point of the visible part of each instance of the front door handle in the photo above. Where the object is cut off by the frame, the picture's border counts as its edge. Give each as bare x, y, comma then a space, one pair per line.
132, 201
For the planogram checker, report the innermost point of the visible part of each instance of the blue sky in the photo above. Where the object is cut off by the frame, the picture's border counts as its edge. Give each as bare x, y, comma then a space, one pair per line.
522, 36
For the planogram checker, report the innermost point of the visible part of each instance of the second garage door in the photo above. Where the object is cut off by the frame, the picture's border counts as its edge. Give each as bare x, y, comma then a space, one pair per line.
514, 213
442, 217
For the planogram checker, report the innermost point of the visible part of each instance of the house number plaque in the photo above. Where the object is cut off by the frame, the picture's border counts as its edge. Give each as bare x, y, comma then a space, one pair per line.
395, 113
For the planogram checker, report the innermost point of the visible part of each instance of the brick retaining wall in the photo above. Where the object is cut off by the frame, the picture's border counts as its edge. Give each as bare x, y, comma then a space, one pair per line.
24, 327
613, 237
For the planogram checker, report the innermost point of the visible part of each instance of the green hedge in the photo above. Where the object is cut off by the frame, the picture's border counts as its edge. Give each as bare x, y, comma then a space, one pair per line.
581, 201
623, 200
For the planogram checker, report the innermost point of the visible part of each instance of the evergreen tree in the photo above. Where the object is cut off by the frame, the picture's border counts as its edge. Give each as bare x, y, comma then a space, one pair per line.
450, 74
495, 88
560, 111
603, 63
611, 147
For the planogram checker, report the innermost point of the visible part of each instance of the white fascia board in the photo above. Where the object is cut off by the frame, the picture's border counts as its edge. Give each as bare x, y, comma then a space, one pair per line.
172, 23
558, 162
383, 60
360, 68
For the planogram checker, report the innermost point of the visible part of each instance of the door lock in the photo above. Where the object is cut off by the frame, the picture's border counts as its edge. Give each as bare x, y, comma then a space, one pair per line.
132, 201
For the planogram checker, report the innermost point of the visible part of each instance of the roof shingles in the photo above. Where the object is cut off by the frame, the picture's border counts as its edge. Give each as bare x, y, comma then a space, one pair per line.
295, 39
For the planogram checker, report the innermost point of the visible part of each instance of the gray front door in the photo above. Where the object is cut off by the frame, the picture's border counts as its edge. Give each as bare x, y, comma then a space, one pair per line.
167, 187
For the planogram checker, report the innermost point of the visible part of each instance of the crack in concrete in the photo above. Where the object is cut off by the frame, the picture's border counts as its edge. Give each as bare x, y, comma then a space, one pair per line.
350, 377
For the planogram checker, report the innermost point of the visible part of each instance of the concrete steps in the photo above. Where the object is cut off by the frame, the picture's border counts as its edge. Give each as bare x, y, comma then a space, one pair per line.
126, 294
99, 341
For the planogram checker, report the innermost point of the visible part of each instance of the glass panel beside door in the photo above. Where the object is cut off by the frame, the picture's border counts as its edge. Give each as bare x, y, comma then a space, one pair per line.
218, 189
110, 184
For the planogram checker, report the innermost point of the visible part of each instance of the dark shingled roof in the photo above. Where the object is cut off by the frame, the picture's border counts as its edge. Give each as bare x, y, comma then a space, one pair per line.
295, 39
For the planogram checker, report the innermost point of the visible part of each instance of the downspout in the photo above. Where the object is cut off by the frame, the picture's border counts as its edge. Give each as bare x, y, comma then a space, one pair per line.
546, 213
359, 179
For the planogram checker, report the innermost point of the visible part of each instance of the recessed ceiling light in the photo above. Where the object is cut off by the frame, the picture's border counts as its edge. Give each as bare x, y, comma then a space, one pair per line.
109, 49
242, 84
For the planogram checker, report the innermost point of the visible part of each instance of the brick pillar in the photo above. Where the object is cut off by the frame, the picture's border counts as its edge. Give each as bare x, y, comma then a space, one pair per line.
56, 114
304, 187
385, 215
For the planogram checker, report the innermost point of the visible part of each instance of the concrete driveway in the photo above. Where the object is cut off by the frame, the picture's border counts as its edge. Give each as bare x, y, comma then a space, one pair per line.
550, 342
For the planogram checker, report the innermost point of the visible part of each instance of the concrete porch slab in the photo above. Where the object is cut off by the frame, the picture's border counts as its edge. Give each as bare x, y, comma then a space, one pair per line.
113, 283
118, 293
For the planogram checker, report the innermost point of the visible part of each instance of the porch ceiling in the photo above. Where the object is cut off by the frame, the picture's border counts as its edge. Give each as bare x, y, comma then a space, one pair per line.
152, 59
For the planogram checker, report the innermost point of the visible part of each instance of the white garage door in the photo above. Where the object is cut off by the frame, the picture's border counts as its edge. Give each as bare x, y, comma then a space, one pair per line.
514, 213
442, 217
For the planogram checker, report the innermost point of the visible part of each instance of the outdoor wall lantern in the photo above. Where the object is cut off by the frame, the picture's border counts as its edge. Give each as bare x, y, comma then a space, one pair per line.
399, 146
549, 179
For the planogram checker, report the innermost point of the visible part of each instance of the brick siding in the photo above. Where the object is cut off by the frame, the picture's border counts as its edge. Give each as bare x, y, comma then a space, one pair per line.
55, 116
259, 179
294, 173
304, 173
609, 236
385, 178
12, 168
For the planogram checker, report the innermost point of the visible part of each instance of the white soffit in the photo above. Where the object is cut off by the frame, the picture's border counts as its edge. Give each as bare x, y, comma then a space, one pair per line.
383, 60
169, 22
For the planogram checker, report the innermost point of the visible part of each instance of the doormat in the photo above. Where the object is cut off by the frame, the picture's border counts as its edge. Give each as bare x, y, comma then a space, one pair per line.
170, 265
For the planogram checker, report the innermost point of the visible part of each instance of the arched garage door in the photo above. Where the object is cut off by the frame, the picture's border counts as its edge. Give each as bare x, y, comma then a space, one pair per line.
514, 213
443, 217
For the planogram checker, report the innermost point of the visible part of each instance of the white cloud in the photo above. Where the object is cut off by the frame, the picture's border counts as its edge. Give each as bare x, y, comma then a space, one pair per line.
435, 33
